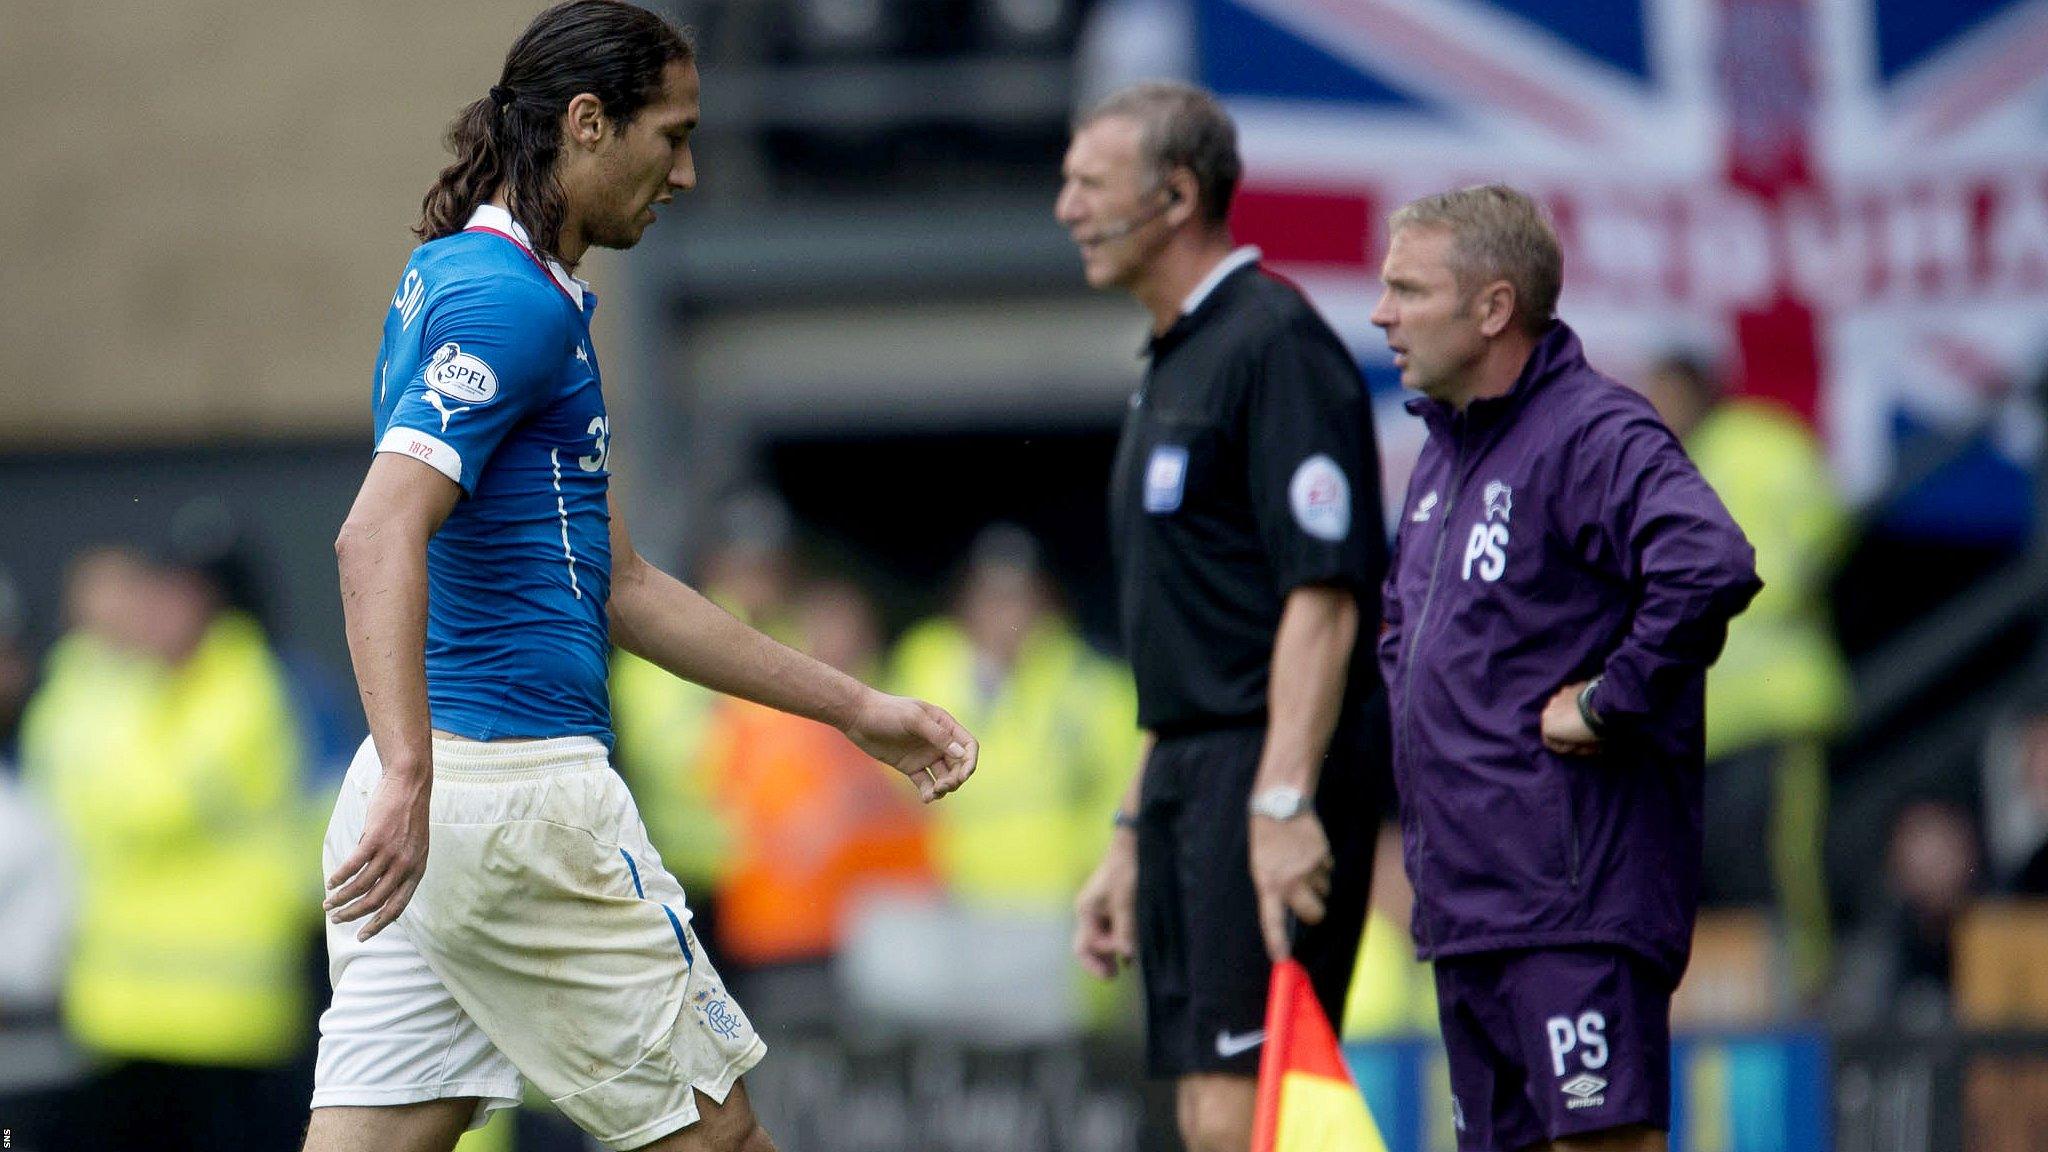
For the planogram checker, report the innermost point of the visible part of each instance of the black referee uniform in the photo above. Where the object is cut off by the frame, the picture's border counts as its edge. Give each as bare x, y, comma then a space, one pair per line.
1247, 469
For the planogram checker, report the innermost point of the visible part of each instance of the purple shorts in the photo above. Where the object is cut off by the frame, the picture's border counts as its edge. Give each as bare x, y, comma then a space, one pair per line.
1550, 1043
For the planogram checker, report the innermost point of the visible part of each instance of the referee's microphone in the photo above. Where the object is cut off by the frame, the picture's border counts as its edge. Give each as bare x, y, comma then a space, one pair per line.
1119, 231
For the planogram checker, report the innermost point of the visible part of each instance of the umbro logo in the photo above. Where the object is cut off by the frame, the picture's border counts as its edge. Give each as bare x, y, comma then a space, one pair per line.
1423, 508
1585, 1091
1228, 1045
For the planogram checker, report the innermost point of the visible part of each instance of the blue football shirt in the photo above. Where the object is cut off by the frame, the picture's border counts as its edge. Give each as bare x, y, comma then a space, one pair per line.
486, 373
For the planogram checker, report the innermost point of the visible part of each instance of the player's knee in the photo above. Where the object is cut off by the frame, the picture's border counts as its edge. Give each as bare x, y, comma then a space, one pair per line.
429, 1126
727, 1127
747, 1137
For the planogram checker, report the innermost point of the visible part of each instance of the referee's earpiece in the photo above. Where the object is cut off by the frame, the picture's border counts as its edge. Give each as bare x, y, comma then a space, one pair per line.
1124, 228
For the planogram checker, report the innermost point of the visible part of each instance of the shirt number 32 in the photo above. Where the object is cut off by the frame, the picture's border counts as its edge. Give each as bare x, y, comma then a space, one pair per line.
601, 430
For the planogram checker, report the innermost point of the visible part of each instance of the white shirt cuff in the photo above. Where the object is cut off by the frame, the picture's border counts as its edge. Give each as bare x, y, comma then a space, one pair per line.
424, 447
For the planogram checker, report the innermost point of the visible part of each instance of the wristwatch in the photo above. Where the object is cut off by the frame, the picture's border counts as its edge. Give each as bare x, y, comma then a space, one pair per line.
1280, 802
1585, 701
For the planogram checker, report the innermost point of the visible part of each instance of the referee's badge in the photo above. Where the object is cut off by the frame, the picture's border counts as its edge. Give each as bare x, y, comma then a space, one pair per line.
1166, 478
1320, 498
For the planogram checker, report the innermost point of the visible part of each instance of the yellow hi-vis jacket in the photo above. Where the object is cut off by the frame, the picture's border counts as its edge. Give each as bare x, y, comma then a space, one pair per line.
1781, 677
178, 790
661, 723
1059, 744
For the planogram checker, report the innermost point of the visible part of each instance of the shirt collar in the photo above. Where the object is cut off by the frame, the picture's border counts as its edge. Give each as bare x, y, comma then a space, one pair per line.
1238, 258
498, 220
1556, 354
1183, 324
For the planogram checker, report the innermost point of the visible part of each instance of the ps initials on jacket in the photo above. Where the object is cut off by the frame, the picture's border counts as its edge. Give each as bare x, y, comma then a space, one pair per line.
1551, 535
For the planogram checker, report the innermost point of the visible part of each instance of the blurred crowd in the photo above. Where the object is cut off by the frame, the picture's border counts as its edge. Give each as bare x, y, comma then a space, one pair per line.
168, 771
163, 902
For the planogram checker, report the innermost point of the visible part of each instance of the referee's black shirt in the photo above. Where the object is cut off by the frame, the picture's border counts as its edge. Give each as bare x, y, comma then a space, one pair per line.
1247, 469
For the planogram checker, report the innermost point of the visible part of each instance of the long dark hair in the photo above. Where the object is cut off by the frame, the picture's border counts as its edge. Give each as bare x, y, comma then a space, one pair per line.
511, 138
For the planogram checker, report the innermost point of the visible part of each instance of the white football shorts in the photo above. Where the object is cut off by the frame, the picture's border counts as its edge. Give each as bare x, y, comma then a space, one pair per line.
544, 941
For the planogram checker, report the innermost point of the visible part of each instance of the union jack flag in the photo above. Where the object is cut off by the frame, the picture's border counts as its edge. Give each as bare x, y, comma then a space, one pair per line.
1846, 200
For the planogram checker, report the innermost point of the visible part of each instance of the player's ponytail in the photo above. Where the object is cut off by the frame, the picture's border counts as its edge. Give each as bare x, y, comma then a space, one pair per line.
509, 140
471, 179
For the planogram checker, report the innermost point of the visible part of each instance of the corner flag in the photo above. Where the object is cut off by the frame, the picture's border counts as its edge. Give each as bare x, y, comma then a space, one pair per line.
1307, 1101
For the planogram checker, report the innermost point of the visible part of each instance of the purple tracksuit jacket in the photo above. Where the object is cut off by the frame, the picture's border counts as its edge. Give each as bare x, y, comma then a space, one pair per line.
1551, 535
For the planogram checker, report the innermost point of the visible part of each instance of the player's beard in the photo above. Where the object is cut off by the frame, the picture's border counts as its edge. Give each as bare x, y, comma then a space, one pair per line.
621, 231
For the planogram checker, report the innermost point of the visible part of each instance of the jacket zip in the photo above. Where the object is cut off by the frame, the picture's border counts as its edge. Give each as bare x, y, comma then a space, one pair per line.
1421, 619
1571, 826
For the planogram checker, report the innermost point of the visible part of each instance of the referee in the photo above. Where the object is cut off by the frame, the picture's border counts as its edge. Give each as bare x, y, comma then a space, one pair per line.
1249, 547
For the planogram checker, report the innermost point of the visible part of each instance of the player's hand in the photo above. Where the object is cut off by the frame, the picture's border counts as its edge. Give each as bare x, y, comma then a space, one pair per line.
917, 739
1106, 911
1564, 729
378, 878
1291, 866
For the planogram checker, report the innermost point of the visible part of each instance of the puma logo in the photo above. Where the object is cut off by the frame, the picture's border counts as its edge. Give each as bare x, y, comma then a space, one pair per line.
447, 414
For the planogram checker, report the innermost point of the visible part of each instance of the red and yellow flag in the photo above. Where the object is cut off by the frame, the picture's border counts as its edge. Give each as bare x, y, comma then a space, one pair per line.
1307, 1101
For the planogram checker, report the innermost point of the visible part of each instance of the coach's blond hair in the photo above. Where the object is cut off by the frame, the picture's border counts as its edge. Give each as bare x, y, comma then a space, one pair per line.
1497, 233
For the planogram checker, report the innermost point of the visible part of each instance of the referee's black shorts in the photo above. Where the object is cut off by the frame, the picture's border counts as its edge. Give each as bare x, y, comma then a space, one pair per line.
1199, 947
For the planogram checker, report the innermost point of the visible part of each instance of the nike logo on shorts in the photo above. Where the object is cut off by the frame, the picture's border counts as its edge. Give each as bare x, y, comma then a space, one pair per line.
1228, 1045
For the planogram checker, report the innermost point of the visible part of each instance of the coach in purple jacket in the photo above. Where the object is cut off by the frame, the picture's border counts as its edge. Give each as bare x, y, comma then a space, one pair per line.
1562, 578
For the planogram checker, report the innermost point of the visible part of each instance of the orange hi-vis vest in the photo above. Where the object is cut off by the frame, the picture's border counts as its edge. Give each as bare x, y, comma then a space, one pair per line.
816, 823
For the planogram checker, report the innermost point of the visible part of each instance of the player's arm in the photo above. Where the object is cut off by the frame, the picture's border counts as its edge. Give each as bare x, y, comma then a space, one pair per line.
1106, 911
382, 553
666, 622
